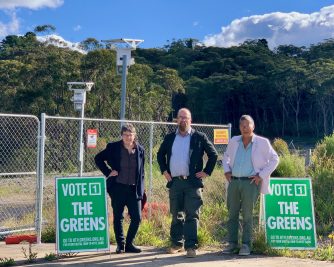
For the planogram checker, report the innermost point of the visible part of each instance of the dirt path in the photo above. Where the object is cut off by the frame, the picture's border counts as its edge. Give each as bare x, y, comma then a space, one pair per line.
152, 257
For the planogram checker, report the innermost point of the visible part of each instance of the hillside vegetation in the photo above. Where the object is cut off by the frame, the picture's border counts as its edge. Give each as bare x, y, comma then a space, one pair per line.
288, 91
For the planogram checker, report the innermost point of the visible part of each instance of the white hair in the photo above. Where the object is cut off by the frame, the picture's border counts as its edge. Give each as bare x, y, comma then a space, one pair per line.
246, 118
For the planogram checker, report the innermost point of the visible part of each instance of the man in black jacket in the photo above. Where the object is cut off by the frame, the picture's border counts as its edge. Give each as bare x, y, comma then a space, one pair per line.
125, 184
180, 158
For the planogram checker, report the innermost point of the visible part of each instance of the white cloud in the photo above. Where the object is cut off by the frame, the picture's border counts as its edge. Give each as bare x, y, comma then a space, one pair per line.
8, 7
278, 28
195, 23
11, 27
59, 41
77, 28
32, 4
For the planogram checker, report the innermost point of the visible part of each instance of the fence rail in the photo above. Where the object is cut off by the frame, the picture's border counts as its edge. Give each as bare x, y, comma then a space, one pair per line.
18, 164
50, 148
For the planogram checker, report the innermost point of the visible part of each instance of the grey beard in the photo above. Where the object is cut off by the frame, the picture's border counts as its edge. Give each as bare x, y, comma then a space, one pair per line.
182, 128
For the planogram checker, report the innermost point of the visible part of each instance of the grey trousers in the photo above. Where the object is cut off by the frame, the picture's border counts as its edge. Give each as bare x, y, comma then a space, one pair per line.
185, 202
241, 197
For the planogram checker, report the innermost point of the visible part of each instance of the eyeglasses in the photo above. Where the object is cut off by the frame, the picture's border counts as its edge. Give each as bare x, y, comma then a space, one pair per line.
128, 134
183, 118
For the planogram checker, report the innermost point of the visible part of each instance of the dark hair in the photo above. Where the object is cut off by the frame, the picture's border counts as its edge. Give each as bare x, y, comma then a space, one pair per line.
128, 127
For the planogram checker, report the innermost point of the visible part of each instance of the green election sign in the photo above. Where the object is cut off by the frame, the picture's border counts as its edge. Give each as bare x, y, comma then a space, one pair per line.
289, 214
82, 217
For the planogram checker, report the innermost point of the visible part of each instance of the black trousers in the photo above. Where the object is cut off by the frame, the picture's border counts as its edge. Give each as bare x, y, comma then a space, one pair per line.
121, 196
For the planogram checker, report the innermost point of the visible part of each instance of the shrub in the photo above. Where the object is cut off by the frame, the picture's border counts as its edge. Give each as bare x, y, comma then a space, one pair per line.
150, 234
322, 173
205, 237
7, 262
323, 188
260, 245
50, 256
29, 254
49, 234
290, 166
281, 147
323, 155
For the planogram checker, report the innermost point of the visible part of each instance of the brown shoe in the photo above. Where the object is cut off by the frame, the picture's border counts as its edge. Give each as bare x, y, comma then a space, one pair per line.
191, 253
175, 249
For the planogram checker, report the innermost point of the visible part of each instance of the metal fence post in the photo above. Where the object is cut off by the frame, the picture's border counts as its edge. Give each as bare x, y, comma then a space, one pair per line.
40, 182
308, 160
38, 170
229, 138
261, 214
151, 172
229, 131
64, 161
81, 144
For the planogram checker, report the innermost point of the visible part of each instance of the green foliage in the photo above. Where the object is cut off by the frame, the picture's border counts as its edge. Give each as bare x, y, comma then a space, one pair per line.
205, 238
281, 147
90, 44
7, 261
29, 254
260, 245
50, 256
212, 215
323, 155
287, 87
323, 188
48, 28
325, 253
150, 234
322, 173
290, 166
112, 237
49, 234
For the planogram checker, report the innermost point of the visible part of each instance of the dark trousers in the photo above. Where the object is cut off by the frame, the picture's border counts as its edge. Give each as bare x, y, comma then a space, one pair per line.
185, 202
125, 195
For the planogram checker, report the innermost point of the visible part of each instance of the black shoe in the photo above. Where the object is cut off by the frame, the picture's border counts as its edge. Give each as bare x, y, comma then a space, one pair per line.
120, 249
132, 248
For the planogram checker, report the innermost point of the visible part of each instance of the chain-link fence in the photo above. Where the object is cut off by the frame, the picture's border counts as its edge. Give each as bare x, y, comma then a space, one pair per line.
18, 164
26, 202
61, 158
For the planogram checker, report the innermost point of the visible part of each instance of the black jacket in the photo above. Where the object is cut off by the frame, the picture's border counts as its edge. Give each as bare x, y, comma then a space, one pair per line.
199, 143
112, 155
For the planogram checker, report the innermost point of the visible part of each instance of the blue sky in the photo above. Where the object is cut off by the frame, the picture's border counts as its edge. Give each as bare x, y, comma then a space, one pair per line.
215, 22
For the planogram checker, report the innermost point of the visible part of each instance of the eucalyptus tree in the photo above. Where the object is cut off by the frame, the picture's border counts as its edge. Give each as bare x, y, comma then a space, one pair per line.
322, 77
46, 28
171, 82
139, 98
91, 44
99, 66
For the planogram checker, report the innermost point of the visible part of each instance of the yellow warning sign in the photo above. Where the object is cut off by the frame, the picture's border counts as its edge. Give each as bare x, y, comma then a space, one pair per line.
220, 136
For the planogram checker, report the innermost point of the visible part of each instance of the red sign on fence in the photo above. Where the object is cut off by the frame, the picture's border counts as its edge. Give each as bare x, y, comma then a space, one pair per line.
91, 138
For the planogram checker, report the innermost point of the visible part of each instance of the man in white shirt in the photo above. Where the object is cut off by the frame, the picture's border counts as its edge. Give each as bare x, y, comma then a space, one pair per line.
248, 163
